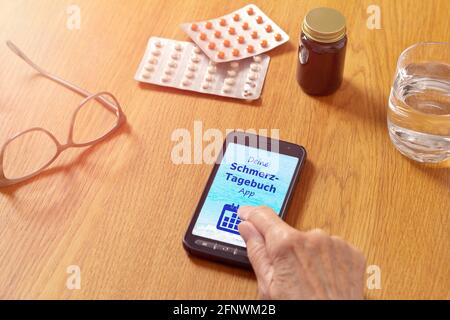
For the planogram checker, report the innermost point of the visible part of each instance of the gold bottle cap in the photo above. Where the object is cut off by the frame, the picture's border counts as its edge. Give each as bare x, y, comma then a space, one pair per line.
324, 25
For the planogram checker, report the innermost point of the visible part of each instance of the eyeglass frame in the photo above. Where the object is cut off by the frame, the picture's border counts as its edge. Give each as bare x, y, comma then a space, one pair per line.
113, 106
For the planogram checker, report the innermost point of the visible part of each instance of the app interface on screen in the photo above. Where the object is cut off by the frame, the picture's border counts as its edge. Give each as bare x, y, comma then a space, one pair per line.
246, 176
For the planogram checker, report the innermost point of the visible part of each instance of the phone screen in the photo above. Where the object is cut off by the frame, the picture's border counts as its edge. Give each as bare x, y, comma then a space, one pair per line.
246, 176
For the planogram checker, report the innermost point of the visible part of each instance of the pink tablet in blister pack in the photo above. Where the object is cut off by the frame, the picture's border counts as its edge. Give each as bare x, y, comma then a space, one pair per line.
241, 34
183, 65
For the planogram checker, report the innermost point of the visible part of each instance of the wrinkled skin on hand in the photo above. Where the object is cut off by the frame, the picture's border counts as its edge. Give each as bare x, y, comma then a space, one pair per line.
291, 264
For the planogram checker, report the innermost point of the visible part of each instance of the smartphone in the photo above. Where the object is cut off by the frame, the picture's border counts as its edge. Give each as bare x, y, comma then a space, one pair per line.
250, 170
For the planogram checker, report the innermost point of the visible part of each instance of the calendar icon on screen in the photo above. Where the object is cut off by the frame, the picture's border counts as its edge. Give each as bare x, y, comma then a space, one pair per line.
229, 220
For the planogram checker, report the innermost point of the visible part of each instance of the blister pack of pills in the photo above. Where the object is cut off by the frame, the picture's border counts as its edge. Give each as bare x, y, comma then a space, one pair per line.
183, 65
241, 34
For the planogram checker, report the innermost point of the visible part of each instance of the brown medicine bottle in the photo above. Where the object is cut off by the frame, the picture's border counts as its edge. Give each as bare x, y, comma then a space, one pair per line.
321, 51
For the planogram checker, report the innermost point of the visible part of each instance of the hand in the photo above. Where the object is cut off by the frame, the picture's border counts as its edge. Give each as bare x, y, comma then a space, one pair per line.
290, 264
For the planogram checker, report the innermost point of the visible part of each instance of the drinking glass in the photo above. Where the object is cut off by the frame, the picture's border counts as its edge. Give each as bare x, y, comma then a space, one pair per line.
419, 103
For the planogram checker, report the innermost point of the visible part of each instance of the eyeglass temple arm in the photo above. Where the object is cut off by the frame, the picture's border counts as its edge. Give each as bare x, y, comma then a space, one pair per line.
57, 79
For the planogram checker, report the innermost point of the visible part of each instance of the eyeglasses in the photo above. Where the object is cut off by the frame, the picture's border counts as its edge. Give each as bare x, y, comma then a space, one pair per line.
28, 153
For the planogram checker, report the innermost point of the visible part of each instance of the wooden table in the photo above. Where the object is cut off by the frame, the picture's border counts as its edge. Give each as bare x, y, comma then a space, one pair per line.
119, 210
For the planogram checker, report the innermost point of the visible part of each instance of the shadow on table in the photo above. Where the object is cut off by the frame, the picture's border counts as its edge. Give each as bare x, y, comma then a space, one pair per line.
352, 99
301, 194
157, 88
440, 172
223, 268
79, 161
286, 48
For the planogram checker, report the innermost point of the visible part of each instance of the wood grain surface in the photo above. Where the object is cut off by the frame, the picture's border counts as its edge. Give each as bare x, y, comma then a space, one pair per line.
119, 210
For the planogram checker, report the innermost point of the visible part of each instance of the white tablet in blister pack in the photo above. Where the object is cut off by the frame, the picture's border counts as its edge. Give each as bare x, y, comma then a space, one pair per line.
183, 65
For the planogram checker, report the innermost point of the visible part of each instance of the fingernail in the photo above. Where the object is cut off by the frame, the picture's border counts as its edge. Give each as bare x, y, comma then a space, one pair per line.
240, 227
244, 211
